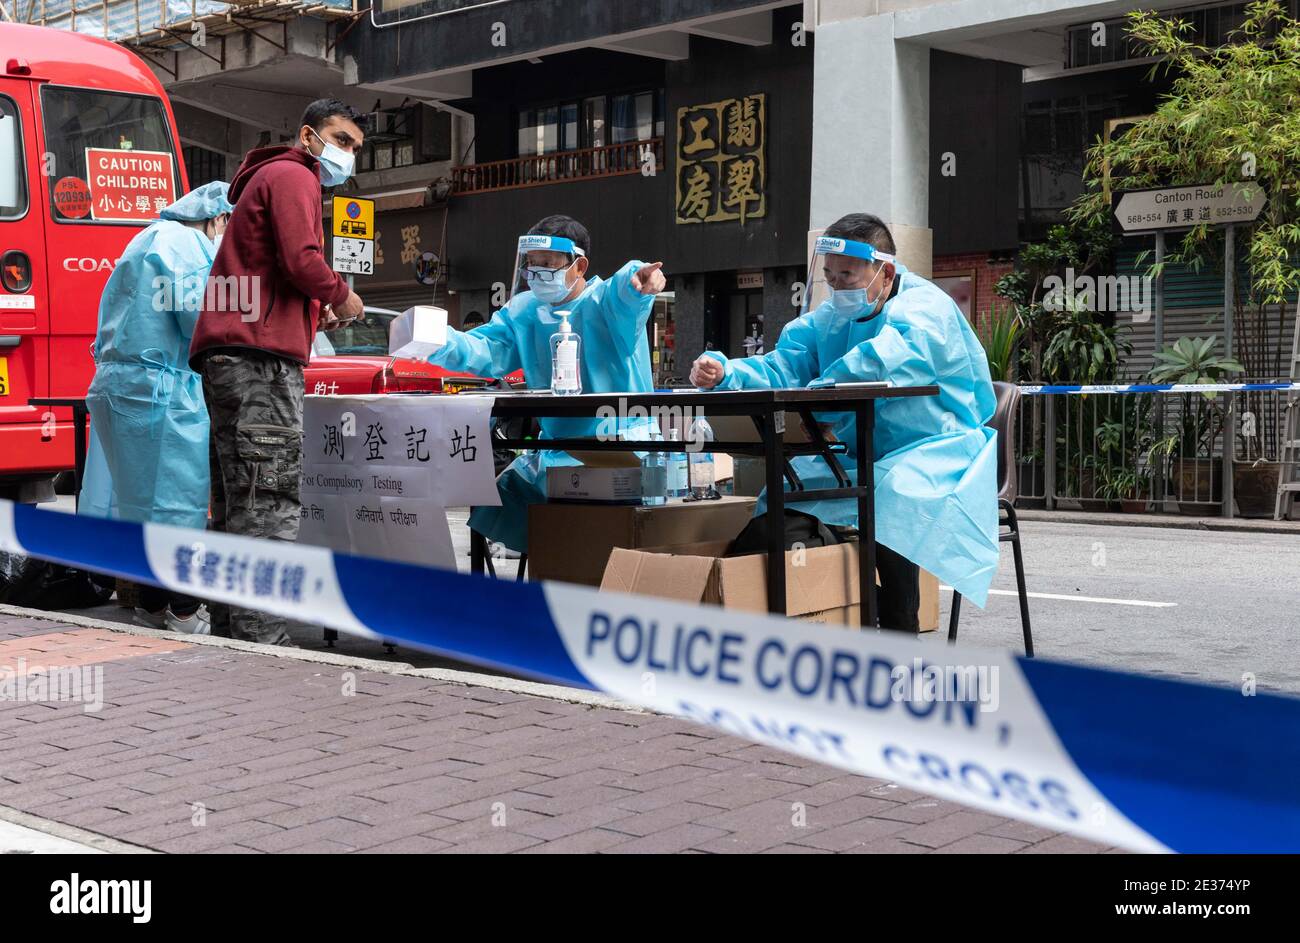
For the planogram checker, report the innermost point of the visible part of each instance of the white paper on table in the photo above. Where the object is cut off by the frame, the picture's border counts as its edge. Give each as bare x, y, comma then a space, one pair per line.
380, 471
417, 332
323, 523
467, 473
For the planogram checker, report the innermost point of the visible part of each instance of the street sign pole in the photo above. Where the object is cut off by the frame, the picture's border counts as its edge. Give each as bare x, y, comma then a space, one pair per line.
1230, 421
1158, 493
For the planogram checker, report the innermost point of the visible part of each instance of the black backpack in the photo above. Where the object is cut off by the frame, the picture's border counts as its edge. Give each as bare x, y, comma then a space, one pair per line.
800, 528
39, 584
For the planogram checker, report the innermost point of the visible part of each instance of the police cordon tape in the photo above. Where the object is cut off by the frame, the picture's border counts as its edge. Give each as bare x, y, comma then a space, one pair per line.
1143, 763
1156, 388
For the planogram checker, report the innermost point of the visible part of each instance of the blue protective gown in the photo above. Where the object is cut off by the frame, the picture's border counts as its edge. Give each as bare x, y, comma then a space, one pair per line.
610, 317
936, 461
147, 458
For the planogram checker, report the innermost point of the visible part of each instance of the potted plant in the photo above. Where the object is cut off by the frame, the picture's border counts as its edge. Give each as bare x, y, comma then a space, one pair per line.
1196, 474
1125, 441
999, 332
1128, 487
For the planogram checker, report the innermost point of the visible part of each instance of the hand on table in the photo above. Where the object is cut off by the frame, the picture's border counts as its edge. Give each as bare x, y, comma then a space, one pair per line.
707, 372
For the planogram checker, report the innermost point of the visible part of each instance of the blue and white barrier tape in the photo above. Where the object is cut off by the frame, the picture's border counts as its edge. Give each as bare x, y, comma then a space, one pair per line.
1156, 388
1134, 761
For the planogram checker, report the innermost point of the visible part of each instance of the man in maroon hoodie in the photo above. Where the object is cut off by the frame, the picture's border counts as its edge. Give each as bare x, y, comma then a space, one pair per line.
262, 307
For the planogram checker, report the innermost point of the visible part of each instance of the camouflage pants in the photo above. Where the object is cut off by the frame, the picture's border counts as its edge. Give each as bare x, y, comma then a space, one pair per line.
255, 402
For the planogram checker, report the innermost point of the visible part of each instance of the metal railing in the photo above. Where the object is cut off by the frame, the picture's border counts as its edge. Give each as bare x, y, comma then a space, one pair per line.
1146, 448
560, 167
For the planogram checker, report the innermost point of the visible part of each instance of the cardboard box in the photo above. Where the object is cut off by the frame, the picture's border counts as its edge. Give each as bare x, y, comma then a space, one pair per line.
572, 542
821, 582
604, 477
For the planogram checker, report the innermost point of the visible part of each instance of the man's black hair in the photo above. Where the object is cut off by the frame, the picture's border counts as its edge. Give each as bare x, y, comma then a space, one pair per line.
565, 226
323, 109
863, 227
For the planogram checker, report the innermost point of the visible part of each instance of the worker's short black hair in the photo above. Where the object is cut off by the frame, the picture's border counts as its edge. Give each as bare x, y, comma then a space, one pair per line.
863, 227
323, 109
565, 226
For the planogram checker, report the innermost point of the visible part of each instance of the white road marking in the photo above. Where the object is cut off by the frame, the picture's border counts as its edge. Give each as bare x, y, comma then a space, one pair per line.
1100, 599
19, 840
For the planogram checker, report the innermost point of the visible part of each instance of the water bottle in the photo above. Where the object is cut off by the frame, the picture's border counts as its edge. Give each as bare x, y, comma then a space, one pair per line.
566, 355
676, 466
701, 463
654, 475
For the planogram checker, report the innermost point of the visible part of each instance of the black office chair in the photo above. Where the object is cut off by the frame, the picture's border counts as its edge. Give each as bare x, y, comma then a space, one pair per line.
1004, 422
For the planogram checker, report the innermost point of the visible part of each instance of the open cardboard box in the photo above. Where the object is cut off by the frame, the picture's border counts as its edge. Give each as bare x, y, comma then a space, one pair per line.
572, 542
821, 582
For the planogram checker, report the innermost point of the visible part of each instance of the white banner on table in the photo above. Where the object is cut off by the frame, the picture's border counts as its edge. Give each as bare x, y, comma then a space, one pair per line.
379, 473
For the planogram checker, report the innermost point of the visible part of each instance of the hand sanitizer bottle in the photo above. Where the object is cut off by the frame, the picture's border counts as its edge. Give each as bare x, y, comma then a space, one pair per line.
654, 475
566, 355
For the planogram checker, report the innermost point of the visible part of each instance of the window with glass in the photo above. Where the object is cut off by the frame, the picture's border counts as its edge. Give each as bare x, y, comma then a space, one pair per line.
80, 118
13, 175
390, 141
203, 166
596, 121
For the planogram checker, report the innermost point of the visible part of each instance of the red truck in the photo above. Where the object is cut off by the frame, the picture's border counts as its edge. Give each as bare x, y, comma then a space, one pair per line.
88, 154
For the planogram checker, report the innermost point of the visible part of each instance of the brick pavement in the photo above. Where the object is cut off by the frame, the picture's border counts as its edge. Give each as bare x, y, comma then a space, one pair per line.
206, 748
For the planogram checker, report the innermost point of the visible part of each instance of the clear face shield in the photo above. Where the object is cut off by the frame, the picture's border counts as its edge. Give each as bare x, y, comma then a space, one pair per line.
547, 266
851, 274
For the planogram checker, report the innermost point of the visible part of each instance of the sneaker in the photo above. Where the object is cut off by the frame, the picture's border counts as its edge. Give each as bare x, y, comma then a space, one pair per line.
203, 614
151, 620
189, 625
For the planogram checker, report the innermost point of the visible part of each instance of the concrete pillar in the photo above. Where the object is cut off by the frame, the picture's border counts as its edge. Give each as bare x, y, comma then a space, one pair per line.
688, 320
779, 297
871, 130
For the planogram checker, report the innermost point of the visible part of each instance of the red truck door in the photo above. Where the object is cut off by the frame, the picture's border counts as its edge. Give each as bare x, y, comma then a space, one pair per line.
24, 298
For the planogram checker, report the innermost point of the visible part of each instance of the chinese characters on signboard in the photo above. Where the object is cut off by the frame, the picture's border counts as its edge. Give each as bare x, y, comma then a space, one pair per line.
379, 473
129, 186
721, 165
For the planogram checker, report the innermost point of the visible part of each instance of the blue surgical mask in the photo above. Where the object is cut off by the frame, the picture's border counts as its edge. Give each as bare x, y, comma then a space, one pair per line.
853, 303
849, 302
552, 292
335, 163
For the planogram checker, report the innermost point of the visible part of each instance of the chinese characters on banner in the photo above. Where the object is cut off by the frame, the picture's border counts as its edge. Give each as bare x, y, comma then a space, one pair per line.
721, 167
379, 473
129, 186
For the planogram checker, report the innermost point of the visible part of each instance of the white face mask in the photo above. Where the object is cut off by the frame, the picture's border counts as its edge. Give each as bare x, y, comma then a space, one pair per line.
216, 242
335, 163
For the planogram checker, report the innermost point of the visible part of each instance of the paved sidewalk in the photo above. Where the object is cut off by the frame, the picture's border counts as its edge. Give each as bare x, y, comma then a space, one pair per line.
218, 747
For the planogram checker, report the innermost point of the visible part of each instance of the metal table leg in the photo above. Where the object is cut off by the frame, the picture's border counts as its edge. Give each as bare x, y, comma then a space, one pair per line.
772, 456
79, 413
866, 426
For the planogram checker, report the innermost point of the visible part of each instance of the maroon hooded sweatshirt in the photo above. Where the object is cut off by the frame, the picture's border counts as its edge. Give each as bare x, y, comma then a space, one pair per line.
274, 237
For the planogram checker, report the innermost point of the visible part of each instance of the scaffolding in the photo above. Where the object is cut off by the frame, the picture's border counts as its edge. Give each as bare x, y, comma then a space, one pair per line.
161, 30
165, 22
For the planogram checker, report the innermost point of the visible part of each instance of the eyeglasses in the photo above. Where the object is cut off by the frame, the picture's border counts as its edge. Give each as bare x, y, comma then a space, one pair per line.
544, 274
